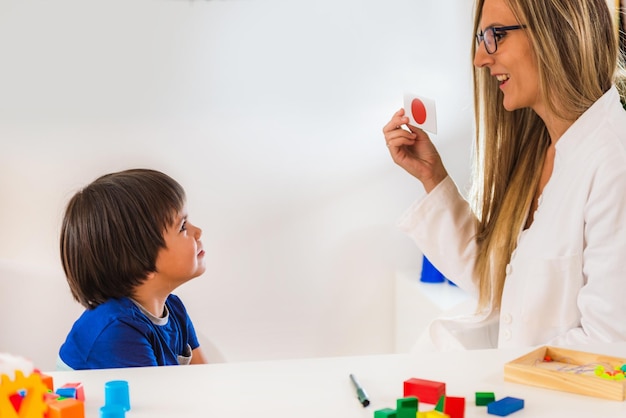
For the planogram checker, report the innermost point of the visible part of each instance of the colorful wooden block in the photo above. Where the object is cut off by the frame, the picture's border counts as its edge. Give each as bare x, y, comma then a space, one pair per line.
385, 413
427, 391
484, 398
440, 404
505, 406
407, 407
431, 414
454, 407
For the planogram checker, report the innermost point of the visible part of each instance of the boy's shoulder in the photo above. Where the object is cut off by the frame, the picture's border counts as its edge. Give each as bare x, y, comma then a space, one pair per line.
112, 310
90, 325
173, 299
175, 305
115, 305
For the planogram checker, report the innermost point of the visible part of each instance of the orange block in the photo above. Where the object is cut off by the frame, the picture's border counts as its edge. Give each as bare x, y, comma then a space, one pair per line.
47, 381
66, 408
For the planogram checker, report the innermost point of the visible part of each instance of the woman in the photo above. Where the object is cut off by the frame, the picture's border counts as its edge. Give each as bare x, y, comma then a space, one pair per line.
543, 247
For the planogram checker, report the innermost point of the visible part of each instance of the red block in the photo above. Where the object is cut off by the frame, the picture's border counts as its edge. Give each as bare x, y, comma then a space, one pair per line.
454, 407
426, 391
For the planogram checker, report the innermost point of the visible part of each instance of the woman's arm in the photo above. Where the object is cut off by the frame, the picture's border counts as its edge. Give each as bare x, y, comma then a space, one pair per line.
443, 226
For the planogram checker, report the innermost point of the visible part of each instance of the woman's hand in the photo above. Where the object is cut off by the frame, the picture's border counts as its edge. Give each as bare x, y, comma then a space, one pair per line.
414, 151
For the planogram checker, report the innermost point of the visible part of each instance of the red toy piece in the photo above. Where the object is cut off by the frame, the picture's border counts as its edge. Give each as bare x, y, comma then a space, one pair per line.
454, 407
16, 401
426, 391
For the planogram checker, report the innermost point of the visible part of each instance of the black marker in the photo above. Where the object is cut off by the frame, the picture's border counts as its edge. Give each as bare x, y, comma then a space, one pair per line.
360, 393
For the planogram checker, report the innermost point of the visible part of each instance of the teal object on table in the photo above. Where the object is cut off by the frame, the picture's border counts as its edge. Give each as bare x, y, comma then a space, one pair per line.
116, 392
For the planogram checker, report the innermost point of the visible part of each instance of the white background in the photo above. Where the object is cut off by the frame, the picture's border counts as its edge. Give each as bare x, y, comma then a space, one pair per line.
270, 114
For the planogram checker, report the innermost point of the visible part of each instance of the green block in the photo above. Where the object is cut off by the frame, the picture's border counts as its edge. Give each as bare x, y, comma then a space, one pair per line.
385, 413
484, 398
407, 407
441, 403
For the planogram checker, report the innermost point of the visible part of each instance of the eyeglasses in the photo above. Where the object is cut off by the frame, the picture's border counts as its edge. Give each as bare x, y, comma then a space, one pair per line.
492, 35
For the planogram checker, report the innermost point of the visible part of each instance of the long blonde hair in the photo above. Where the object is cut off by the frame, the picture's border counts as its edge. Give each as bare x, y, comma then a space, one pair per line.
576, 49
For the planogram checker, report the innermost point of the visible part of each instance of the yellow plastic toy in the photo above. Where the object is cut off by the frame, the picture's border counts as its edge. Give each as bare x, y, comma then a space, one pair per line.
33, 405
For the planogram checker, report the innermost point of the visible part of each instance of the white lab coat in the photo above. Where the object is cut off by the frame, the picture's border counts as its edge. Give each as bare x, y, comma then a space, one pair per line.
566, 281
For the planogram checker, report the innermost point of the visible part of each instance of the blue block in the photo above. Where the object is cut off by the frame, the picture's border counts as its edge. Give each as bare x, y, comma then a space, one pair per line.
430, 274
66, 392
505, 406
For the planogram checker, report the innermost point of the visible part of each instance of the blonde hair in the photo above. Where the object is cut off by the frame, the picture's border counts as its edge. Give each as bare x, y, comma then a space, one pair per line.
576, 50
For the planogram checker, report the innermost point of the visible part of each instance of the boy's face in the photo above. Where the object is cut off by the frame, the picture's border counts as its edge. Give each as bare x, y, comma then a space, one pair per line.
183, 257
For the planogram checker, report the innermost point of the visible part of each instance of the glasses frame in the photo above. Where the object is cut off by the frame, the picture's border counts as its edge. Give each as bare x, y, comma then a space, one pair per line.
495, 30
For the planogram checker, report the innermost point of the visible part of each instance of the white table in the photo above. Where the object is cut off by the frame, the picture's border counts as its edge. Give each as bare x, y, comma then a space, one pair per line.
321, 387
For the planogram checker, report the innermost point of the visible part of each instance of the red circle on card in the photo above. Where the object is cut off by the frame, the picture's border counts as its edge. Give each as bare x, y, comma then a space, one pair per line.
418, 110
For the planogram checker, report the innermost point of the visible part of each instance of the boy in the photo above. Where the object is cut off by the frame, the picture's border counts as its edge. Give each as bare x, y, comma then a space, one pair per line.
126, 244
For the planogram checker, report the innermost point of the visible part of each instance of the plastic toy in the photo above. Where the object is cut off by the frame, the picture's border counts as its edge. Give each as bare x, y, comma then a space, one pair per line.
66, 408
72, 390
32, 404
116, 393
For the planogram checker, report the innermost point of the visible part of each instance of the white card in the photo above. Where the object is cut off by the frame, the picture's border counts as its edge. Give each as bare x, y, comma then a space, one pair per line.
421, 112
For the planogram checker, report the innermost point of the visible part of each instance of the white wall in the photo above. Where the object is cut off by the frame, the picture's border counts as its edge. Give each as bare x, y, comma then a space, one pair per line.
269, 113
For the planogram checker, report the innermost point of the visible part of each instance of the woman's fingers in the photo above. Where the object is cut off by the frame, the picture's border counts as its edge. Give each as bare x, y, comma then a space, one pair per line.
396, 122
395, 134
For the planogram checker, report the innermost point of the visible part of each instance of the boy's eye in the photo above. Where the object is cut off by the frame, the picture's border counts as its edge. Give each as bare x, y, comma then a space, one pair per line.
183, 227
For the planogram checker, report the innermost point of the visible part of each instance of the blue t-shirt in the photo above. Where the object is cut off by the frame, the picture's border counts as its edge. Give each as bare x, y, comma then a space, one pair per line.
118, 333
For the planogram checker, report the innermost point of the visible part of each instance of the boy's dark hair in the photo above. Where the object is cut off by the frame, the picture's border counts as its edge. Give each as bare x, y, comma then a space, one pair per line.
112, 232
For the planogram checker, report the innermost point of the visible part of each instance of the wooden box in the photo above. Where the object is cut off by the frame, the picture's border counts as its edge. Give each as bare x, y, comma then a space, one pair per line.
568, 371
